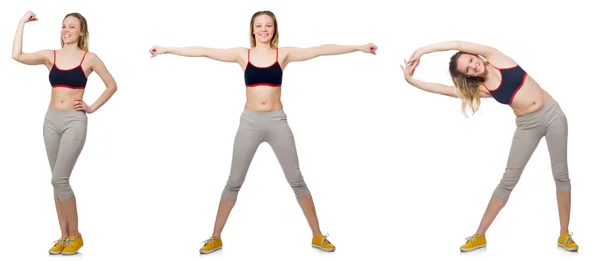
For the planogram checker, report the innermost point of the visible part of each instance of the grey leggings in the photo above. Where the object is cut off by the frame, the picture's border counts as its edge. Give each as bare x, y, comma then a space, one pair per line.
64, 136
549, 122
256, 128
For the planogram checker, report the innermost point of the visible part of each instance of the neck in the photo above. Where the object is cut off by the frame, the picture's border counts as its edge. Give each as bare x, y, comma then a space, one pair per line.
263, 46
70, 46
488, 67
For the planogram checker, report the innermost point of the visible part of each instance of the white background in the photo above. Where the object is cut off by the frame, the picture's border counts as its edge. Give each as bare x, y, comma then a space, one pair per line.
395, 172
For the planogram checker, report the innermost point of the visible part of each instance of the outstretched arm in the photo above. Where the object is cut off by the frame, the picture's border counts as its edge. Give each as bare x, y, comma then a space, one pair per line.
111, 86
229, 55
295, 54
36, 58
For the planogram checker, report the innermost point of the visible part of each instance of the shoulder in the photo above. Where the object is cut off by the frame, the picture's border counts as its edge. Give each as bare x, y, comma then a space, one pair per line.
483, 91
91, 56
47, 53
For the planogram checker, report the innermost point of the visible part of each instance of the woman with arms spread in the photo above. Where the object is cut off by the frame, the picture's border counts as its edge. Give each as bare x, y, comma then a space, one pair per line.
479, 71
263, 119
65, 124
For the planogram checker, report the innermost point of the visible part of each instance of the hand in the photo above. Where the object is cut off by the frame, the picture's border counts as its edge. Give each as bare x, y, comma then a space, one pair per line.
369, 48
80, 105
415, 57
28, 17
156, 50
409, 69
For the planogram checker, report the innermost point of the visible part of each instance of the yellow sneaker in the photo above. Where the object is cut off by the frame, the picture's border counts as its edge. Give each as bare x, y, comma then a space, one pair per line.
474, 242
72, 245
321, 242
58, 247
566, 241
211, 245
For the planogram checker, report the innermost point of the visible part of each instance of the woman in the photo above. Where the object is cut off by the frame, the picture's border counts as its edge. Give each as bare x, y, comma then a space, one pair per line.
65, 124
479, 71
264, 119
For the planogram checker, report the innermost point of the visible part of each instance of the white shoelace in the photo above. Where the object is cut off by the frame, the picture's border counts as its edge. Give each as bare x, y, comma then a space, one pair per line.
325, 240
569, 238
211, 240
68, 241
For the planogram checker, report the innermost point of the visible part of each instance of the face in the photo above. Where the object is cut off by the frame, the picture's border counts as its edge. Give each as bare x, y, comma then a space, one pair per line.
470, 65
71, 30
264, 28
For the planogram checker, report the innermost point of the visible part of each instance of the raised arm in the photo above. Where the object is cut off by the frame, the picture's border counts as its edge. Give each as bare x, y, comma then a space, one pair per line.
438, 88
409, 69
434, 87
229, 55
295, 54
463, 46
111, 86
36, 58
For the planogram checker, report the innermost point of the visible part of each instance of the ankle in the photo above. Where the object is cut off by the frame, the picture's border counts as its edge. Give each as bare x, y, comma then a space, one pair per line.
216, 235
481, 234
75, 234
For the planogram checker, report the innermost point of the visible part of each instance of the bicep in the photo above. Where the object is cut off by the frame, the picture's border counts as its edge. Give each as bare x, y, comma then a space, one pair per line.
229, 55
99, 68
480, 49
36, 58
446, 90
295, 54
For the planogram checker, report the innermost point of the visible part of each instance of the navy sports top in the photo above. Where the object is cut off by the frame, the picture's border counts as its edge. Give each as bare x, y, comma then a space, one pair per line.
263, 76
73, 78
511, 80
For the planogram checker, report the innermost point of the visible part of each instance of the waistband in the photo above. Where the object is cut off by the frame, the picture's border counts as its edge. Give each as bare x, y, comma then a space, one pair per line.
263, 114
65, 113
550, 104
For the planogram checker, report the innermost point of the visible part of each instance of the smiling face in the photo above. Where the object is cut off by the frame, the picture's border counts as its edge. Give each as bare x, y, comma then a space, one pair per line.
71, 30
470, 65
263, 29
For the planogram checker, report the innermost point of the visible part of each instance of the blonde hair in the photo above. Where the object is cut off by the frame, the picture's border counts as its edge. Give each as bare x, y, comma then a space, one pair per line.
83, 42
467, 86
275, 39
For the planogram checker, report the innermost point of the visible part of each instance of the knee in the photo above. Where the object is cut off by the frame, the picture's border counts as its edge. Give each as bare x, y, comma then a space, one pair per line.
299, 187
62, 188
59, 182
507, 184
232, 188
561, 179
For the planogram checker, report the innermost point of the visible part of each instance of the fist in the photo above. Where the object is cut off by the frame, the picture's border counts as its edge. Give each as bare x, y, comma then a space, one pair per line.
156, 50
369, 48
29, 17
